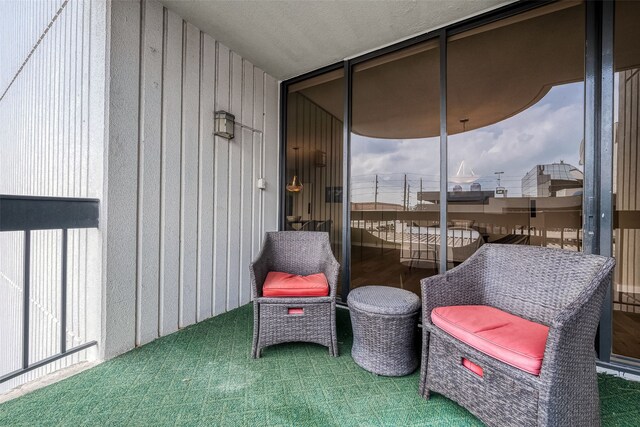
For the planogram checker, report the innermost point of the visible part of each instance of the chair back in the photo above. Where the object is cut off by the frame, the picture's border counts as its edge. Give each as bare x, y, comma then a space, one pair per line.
309, 225
537, 283
324, 226
297, 252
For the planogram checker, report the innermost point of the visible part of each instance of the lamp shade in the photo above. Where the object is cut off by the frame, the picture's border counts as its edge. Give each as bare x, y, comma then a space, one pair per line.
295, 186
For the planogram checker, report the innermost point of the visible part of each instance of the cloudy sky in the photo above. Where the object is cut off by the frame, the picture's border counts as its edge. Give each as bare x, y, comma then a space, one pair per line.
548, 132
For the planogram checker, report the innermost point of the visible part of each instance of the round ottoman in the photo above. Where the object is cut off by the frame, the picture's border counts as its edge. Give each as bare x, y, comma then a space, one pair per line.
384, 322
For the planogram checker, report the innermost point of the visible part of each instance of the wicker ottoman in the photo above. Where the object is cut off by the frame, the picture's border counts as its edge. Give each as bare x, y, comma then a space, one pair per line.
384, 322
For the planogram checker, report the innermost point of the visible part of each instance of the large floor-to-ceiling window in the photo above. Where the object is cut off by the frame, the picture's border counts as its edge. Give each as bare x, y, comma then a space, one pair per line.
515, 124
394, 162
314, 157
494, 130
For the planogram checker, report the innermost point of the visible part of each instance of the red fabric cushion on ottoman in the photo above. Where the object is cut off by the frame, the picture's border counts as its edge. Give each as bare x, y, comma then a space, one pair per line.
278, 284
511, 339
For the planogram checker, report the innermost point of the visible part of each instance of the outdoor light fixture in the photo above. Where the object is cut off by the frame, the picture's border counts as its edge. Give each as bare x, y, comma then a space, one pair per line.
295, 186
321, 159
223, 124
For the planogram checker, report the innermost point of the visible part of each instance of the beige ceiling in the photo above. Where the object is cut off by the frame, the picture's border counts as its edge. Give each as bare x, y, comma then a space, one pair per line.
288, 38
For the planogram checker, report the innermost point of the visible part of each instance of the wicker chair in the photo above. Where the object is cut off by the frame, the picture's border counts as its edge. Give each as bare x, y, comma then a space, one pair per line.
561, 289
303, 253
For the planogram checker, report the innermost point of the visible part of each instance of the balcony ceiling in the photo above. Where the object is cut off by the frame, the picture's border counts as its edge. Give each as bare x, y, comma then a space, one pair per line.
494, 72
288, 38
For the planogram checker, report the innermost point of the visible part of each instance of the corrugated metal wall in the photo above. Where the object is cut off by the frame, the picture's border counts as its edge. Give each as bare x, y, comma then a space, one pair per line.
185, 216
51, 127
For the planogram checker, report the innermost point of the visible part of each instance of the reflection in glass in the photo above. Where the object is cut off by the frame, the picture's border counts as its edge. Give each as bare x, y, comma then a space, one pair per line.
314, 157
626, 181
515, 101
395, 168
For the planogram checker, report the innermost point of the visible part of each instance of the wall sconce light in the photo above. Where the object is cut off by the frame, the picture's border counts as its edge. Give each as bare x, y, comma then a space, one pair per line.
223, 124
321, 159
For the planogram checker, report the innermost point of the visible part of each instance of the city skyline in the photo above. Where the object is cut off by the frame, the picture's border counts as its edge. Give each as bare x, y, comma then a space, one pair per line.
548, 132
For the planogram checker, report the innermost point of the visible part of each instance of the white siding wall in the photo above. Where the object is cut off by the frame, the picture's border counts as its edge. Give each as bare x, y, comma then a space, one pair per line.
52, 87
185, 216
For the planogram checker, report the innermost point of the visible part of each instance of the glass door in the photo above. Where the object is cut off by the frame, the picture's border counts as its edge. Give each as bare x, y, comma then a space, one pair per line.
314, 157
395, 168
515, 122
626, 181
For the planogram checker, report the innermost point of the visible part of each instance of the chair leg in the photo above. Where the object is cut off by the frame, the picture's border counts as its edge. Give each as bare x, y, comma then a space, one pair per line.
333, 350
424, 390
255, 352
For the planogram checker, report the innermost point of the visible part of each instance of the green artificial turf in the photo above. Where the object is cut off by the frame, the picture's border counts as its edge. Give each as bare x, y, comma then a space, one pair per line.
203, 375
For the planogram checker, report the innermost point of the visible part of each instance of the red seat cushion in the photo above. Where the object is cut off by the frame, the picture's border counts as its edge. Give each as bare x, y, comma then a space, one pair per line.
501, 335
279, 284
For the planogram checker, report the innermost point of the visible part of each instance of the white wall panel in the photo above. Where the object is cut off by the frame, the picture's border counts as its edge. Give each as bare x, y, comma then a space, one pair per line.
201, 188
149, 151
221, 184
52, 108
247, 184
189, 185
119, 317
170, 178
22, 24
205, 178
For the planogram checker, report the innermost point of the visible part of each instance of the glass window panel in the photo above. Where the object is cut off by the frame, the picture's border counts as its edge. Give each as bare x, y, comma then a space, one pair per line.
395, 167
515, 121
626, 181
314, 157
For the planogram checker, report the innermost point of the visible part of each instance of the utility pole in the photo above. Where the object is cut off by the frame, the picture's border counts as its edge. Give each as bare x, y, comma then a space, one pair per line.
499, 189
404, 193
420, 201
375, 202
408, 196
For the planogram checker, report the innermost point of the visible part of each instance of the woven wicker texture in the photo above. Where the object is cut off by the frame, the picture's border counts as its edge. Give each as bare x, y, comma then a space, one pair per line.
561, 289
384, 335
383, 300
203, 376
303, 253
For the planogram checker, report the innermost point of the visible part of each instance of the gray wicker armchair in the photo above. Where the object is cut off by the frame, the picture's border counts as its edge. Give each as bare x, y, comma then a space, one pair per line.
560, 289
302, 253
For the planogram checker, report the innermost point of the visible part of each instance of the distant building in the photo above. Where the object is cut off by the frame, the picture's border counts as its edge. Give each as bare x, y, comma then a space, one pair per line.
553, 180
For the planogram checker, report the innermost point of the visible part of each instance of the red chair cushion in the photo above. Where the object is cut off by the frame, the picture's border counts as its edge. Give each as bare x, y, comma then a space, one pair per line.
279, 284
501, 335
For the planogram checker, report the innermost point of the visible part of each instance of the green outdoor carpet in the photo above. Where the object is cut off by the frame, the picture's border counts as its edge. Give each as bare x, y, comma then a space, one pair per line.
203, 375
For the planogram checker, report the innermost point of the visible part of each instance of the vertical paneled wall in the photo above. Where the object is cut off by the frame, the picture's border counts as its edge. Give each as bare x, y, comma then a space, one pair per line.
52, 87
185, 216
312, 129
627, 233
22, 25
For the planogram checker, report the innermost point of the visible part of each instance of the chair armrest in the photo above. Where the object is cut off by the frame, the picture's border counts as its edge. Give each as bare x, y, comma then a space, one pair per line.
258, 270
570, 343
569, 364
330, 267
458, 286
